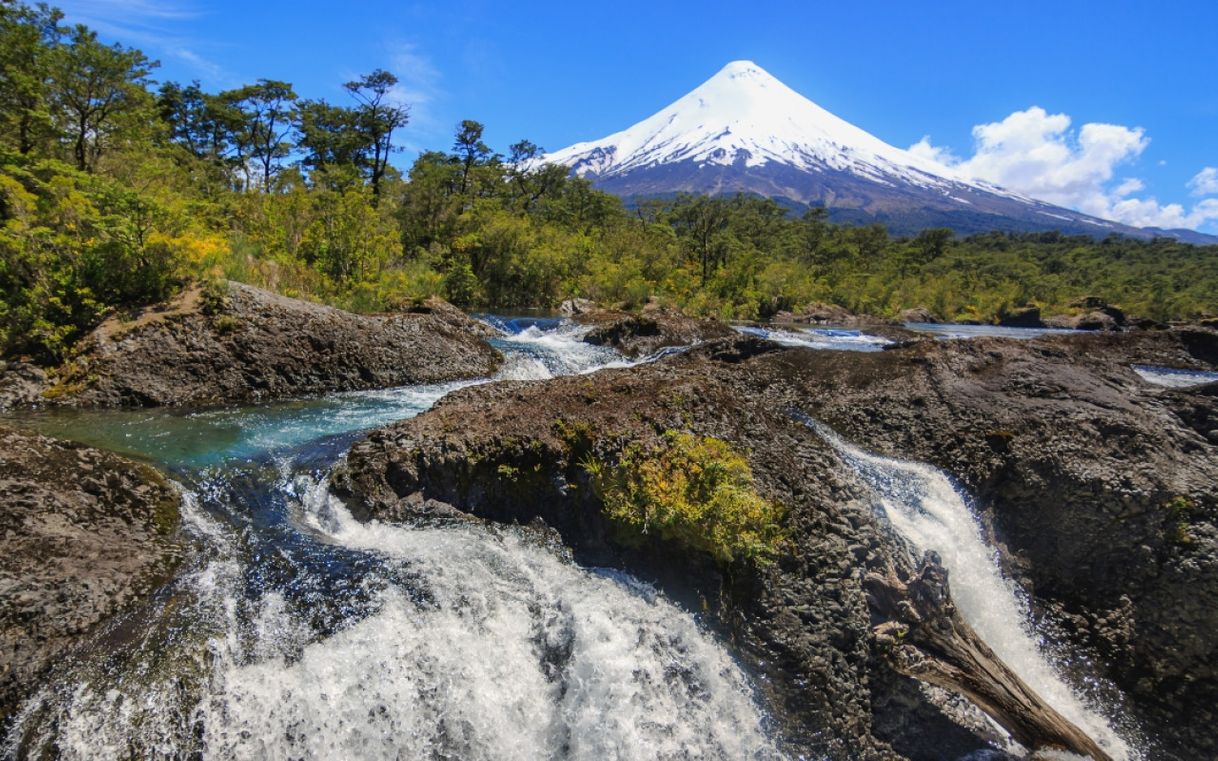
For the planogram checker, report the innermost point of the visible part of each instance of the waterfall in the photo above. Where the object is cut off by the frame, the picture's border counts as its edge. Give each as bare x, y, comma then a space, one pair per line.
469, 643
926, 509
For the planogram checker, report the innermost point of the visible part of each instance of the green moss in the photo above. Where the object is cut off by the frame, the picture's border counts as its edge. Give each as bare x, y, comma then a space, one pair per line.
1178, 509
695, 490
226, 324
576, 436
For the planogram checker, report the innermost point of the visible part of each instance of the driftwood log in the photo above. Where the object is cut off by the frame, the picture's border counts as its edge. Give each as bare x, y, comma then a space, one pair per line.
925, 638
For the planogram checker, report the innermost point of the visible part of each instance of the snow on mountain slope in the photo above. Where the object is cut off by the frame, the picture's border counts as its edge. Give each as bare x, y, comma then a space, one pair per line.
743, 131
744, 114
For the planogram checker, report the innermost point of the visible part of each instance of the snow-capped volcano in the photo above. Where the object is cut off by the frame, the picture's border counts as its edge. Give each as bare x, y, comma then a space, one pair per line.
743, 131
743, 115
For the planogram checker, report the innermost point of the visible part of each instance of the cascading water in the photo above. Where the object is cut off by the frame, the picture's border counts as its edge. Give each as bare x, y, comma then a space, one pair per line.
925, 508
819, 338
297, 632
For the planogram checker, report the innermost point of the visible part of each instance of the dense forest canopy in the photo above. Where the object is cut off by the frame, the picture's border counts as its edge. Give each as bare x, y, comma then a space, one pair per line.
117, 189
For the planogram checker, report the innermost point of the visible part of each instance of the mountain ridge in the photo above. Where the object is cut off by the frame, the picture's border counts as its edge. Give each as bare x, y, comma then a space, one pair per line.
744, 131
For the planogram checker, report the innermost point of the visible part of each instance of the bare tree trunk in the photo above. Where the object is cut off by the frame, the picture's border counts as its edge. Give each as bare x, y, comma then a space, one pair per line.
926, 639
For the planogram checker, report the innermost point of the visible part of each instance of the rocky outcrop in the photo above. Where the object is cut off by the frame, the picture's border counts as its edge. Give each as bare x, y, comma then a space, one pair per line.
637, 335
1091, 313
832, 315
918, 314
1100, 487
1097, 487
21, 384
1024, 317
246, 344
83, 535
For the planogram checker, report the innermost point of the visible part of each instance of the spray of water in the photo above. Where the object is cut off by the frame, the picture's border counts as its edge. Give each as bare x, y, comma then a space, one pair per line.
472, 644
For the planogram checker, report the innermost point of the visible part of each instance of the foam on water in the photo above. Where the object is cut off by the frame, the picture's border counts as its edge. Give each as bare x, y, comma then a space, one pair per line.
818, 338
473, 644
1174, 378
925, 508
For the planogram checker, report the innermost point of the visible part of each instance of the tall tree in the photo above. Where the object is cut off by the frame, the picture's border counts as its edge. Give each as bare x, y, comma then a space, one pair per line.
378, 118
531, 178
470, 149
700, 222
194, 119
330, 136
93, 84
266, 114
27, 38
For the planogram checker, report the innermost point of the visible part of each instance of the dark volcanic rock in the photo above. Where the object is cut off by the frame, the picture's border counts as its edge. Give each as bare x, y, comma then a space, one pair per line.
1094, 314
258, 345
83, 534
918, 314
636, 335
830, 315
1027, 317
21, 384
1098, 488
1101, 488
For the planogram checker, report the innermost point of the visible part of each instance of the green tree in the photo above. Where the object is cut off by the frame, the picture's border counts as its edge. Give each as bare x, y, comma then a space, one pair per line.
262, 118
700, 222
377, 119
92, 86
470, 150
27, 40
329, 136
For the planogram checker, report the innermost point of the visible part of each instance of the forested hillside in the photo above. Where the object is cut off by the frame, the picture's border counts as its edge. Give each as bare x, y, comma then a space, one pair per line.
117, 188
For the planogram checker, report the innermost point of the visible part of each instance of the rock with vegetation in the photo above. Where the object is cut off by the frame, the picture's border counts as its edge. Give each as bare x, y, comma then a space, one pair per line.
1096, 486
85, 535
1024, 317
235, 343
649, 331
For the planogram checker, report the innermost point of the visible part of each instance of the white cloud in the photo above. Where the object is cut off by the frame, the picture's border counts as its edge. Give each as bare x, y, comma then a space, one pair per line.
1205, 183
1038, 154
924, 150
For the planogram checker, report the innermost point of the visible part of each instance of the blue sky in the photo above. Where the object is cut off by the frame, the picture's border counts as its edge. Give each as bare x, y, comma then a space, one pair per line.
1145, 73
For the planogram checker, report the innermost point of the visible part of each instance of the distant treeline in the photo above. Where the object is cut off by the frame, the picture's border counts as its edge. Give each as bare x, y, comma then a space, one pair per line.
116, 190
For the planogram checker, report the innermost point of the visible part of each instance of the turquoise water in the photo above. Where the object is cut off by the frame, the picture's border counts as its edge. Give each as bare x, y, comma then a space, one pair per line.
952, 330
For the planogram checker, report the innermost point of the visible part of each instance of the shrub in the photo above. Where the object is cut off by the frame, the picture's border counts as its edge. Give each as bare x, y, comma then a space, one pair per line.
695, 490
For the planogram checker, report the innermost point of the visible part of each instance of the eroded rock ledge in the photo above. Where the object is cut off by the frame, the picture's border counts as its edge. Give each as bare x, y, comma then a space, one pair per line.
83, 534
647, 332
1098, 487
245, 344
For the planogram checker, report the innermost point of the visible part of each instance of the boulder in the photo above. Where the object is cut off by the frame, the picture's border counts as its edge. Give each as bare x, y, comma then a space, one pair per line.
84, 534
1025, 317
918, 314
1085, 321
637, 335
21, 384
573, 307
252, 345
